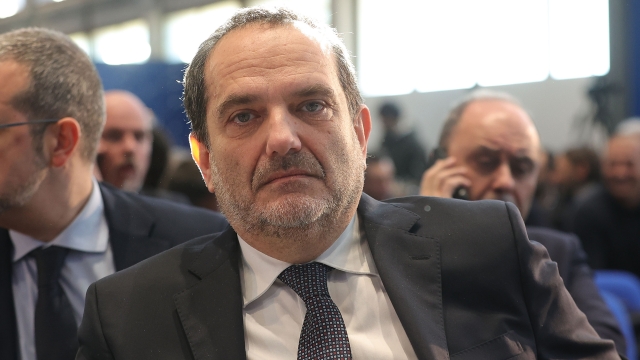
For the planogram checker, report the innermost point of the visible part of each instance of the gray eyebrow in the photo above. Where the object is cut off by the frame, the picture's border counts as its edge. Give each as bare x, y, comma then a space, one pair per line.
244, 99
234, 100
316, 89
494, 151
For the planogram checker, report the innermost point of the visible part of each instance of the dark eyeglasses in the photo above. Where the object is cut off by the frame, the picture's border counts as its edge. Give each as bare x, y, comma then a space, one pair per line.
46, 121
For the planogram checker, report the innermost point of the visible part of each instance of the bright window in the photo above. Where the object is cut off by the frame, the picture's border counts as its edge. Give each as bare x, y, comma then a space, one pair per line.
9, 8
185, 30
434, 45
126, 43
579, 45
82, 40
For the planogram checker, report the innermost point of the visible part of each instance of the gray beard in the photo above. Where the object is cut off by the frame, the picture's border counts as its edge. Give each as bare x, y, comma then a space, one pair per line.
290, 220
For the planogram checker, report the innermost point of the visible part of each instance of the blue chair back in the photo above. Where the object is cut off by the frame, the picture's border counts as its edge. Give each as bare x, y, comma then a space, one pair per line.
621, 314
623, 284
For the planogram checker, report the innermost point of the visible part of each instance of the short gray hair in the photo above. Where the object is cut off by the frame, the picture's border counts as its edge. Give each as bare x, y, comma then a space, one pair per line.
63, 83
195, 94
455, 114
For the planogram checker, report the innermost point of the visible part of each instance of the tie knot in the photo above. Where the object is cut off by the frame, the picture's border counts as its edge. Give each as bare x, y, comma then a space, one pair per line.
49, 262
309, 281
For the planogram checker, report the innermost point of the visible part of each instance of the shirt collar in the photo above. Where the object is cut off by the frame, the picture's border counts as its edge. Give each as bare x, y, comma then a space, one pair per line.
88, 232
349, 253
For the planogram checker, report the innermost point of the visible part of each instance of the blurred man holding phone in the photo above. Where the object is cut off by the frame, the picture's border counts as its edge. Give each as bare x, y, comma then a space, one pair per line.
493, 152
493, 149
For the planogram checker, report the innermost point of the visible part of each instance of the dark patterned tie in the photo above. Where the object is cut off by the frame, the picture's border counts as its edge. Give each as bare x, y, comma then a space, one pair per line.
55, 326
323, 335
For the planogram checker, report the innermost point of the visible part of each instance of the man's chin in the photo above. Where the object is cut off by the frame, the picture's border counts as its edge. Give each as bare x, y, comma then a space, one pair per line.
293, 211
622, 194
131, 184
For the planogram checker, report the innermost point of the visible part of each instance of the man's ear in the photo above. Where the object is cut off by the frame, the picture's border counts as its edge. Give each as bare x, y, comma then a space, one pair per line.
362, 126
200, 154
62, 140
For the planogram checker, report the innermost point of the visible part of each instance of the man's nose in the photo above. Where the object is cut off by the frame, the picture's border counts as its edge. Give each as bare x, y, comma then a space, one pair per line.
129, 143
283, 133
504, 180
621, 171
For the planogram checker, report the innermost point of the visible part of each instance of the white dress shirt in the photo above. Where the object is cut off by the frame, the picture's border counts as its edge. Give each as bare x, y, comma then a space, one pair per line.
89, 260
273, 313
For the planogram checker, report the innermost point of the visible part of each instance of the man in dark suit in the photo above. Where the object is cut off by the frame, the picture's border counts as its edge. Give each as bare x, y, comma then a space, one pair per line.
494, 152
59, 229
312, 267
608, 221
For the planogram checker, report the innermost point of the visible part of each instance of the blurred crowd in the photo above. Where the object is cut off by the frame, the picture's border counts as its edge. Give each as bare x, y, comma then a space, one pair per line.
489, 148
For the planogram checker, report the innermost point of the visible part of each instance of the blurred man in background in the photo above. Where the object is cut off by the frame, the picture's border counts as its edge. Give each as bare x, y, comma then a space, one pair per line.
59, 229
186, 180
577, 176
403, 147
608, 222
494, 152
134, 152
379, 178
125, 147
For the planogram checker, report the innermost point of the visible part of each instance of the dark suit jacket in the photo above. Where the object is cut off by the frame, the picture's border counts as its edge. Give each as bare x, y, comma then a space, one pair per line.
462, 276
139, 227
565, 249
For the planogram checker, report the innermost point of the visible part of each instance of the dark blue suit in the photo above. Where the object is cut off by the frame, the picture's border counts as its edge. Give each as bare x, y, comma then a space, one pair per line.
565, 249
139, 227
462, 276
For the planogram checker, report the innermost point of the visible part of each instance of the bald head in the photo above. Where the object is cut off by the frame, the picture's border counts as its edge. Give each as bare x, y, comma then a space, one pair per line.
621, 169
499, 122
125, 147
125, 105
496, 140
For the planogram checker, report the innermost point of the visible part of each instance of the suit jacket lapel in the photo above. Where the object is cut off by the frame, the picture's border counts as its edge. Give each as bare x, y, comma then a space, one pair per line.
130, 227
210, 311
8, 326
409, 266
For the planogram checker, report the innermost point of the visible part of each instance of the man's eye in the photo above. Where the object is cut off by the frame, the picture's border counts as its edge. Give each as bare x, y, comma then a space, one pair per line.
313, 106
521, 168
140, 136
243, 118
112, 136
488, 163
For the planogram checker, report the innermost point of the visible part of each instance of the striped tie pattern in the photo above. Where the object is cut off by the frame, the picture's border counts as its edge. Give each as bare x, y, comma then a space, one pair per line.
323, 335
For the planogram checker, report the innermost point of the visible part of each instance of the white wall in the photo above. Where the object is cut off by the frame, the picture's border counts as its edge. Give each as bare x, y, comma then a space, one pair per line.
555, 105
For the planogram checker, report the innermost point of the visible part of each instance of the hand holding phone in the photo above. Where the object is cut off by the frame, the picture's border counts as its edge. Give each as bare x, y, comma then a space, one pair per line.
445, 178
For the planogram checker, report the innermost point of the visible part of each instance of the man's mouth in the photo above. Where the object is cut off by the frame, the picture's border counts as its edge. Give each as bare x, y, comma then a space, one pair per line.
288, 174
126, 169
299, 165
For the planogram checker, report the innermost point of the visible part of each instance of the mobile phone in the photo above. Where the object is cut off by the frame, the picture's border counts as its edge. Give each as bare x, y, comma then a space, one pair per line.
461, 192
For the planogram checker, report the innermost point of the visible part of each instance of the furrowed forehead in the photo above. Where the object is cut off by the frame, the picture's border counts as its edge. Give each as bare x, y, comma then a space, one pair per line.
260, 49
494, 114
315, 34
